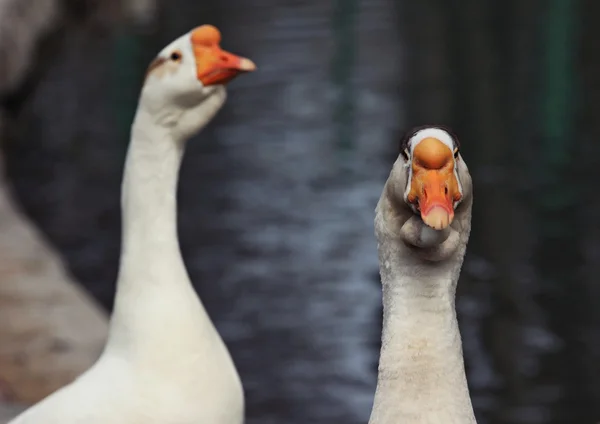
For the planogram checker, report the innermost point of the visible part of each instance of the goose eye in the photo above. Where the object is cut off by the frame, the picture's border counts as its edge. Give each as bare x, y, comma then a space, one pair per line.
175, 56
405, 154
456, 153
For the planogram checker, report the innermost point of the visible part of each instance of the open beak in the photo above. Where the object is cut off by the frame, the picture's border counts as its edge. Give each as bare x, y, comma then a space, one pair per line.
434, 188
213, 64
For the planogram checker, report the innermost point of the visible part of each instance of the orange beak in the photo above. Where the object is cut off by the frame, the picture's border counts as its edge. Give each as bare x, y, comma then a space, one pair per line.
434, 187
213, 64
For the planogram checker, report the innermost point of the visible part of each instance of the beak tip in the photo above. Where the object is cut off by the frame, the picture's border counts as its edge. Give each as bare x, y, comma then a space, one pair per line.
437, 218
247, 65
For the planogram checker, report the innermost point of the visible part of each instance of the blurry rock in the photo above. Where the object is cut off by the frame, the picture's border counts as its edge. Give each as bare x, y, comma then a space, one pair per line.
50, 330
9, 411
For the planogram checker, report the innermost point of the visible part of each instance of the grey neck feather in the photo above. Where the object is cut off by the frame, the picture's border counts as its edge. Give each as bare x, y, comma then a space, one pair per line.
421, 369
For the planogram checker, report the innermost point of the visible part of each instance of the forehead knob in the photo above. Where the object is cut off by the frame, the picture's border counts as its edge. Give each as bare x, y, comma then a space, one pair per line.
207, 35
431, 153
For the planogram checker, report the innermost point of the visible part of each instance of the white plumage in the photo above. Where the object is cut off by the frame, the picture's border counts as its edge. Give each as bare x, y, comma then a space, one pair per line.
164, 362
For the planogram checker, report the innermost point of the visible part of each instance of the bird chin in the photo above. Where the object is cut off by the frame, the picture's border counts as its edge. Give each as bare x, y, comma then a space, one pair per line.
430, 237
429, 244
418, 234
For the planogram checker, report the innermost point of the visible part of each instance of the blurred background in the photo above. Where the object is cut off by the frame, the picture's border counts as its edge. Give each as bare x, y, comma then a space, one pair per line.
277, 195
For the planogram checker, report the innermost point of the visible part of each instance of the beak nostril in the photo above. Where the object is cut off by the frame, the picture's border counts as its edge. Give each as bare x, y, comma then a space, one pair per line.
446, 190
224, 58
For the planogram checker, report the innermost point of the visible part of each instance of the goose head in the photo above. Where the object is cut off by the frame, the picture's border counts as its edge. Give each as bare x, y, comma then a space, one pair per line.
428, 195
434, 173
185, 83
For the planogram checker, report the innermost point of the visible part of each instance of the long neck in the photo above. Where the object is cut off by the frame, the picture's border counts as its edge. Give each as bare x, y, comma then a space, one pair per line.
421, 370
151, 264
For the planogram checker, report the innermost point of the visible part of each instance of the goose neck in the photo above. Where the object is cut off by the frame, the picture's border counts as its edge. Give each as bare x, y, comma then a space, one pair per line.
421, 376
150, 253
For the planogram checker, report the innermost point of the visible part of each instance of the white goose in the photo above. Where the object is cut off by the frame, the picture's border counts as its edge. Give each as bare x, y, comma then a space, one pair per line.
164, 361
422, 223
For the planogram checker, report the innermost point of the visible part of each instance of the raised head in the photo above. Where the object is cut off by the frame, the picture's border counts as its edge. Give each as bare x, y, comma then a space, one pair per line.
189, 75
428, 189
433, 185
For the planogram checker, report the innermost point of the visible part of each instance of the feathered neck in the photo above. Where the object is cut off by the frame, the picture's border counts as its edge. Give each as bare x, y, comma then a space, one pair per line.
421, 369
159, 326
151, 266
